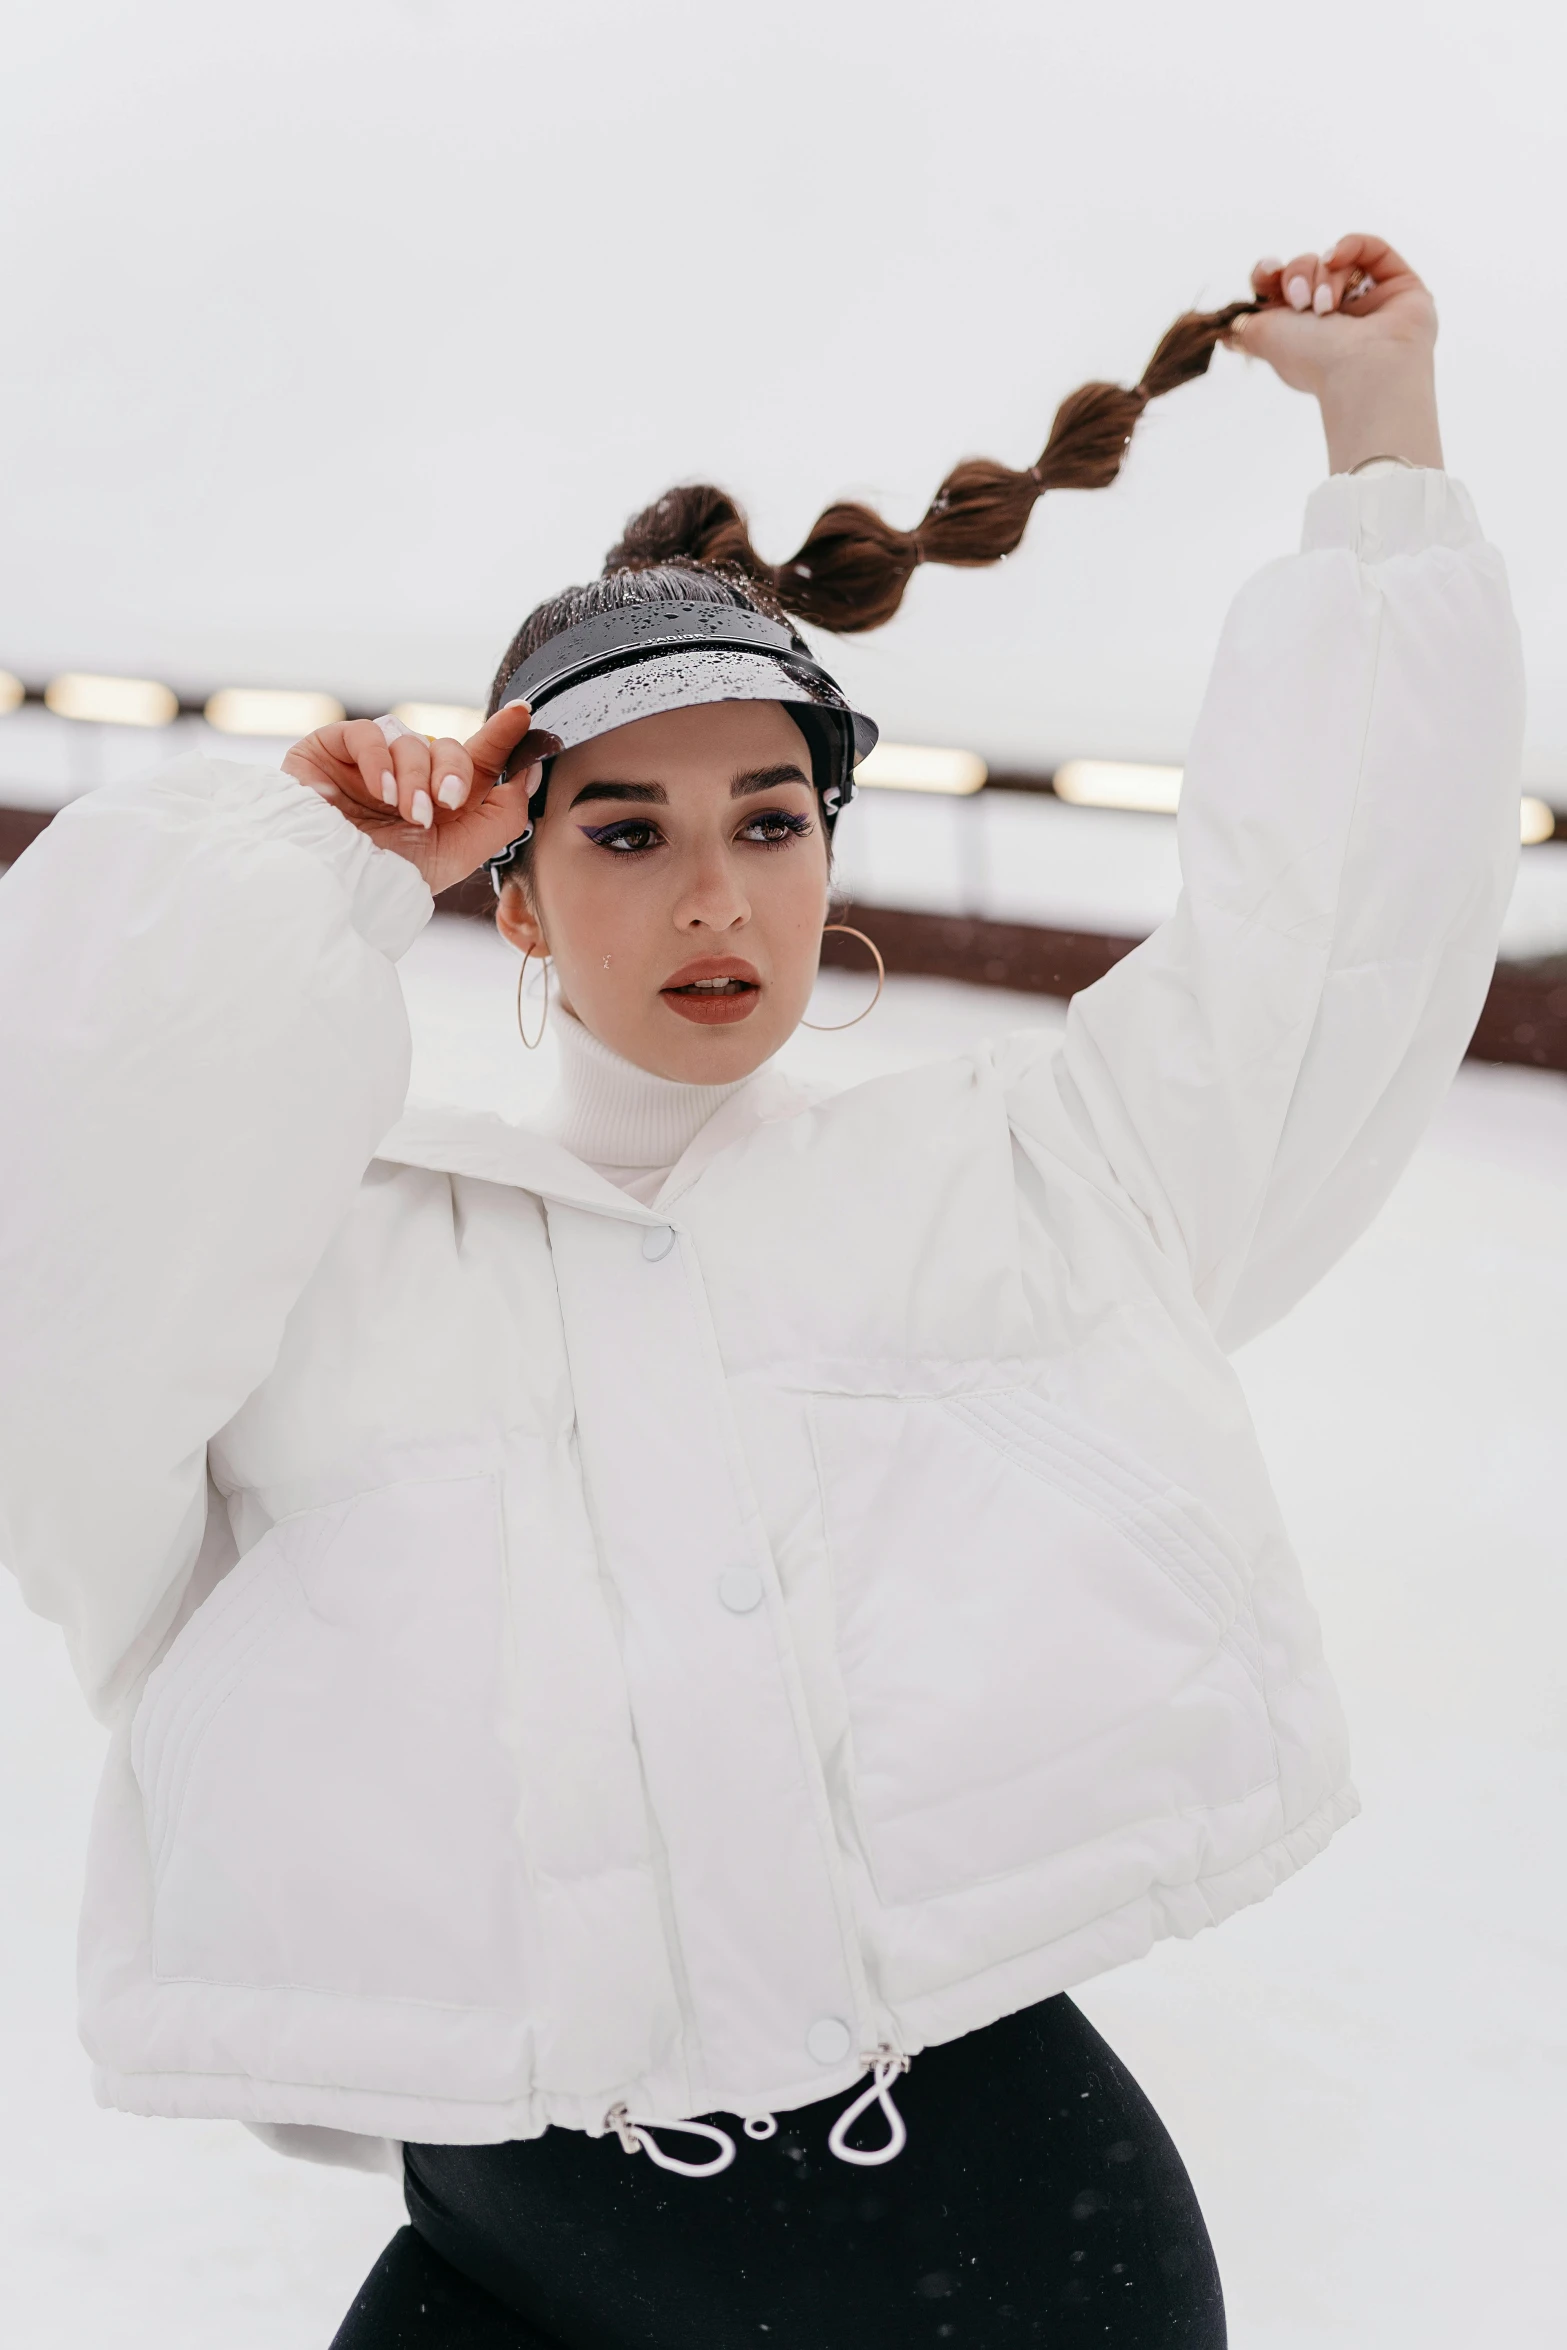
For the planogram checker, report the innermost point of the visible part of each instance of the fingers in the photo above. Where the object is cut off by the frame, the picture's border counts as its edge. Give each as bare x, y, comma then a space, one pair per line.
1306, 283
408, 762
1357, 273
323, 761
507, 805
451, 771
531, 753
504, 740
425, 784
500, 815
1373, 273
432, 777
367, 762
1374, 256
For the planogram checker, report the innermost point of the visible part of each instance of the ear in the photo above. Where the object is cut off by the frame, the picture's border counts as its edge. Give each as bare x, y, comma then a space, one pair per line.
516, 920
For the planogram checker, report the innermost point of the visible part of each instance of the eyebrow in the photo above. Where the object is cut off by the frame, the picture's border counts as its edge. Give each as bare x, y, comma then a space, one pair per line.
620, 791
755, 779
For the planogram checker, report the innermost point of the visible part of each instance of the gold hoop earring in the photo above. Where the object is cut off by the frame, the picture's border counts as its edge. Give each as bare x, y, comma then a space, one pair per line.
533, 1042
831, 1027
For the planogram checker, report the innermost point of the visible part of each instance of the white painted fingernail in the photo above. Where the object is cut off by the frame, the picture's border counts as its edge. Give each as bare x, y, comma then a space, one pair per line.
389, 790
452, 792
1297, 293
1322, 300
421, 811
1269, 265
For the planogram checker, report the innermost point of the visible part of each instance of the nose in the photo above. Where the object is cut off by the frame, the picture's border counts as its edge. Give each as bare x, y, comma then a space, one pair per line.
712, 896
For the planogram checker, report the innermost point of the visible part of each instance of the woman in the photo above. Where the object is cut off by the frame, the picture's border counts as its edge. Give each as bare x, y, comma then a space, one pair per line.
620, 1639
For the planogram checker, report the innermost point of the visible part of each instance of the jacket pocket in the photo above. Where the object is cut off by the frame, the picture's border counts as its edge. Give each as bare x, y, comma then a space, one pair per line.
1041, 1644
324, 1762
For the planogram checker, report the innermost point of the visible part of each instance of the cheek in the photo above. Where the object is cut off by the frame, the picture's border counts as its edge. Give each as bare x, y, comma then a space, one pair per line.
610, 941
800, 891
788, 909
583, 912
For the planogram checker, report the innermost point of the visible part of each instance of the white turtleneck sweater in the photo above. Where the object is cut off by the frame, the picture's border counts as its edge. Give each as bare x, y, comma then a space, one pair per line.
629, 1125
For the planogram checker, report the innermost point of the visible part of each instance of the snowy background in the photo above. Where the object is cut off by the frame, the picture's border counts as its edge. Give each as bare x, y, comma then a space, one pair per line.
339, 332
1366, 2075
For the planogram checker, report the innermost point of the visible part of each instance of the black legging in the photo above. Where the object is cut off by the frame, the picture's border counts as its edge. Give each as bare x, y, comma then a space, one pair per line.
1039, 2201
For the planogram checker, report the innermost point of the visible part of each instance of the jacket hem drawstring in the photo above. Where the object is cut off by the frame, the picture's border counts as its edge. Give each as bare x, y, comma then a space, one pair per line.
637, 2138
636, 2134
886, 2064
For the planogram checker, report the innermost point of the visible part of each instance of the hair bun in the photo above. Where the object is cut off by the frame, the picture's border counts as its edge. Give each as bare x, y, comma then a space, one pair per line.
695, 523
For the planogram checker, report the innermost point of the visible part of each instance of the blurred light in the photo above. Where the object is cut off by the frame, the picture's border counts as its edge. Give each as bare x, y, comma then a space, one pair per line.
12, 693
112, 701
454, 719
254, 709
1536, 822
919, 767
1109, 783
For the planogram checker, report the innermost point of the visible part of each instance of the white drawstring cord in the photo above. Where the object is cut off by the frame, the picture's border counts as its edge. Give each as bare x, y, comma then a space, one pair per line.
636, 2137
886, 2064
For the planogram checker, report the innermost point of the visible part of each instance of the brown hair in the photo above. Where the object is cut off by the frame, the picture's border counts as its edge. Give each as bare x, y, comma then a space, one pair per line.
851, 571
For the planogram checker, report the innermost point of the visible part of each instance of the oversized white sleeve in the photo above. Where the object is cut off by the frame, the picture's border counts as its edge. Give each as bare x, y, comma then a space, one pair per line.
202, 1043
1255, 1076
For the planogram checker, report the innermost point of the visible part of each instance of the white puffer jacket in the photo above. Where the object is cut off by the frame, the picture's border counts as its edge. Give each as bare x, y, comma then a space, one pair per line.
674, 1652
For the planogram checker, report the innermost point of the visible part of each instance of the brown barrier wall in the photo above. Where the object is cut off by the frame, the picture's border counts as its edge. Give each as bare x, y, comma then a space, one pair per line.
1524, 1018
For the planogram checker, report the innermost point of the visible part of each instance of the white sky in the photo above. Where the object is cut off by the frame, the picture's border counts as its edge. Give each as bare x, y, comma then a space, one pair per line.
337, 334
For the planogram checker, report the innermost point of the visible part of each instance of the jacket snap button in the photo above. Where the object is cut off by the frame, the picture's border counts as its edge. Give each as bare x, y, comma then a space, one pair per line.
829, 2040
657, 1241
741, 1588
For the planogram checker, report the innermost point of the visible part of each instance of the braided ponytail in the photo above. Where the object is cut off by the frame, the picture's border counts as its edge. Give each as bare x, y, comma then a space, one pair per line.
851, 572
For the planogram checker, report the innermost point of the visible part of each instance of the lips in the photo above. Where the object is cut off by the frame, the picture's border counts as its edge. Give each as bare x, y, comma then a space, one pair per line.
715, 991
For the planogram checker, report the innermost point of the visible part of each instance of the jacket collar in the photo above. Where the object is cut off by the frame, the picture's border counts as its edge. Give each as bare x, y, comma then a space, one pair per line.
480, 1143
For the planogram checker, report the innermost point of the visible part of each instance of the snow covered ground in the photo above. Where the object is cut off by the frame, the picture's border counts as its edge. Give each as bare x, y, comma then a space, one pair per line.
1366, 2074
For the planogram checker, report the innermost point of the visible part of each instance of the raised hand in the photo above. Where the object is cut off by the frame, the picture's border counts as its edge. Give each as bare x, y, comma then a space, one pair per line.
443, 805
1356, 327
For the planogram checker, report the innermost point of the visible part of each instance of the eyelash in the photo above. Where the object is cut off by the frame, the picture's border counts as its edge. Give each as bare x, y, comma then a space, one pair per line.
612, 836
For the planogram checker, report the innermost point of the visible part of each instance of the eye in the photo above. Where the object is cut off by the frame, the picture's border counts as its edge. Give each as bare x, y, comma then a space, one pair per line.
771, 827
633, 836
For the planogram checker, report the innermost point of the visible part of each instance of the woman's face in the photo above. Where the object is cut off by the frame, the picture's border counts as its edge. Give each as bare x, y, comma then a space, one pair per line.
679, 880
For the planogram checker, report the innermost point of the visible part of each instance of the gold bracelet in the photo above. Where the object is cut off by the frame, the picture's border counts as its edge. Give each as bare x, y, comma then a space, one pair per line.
1367, 462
